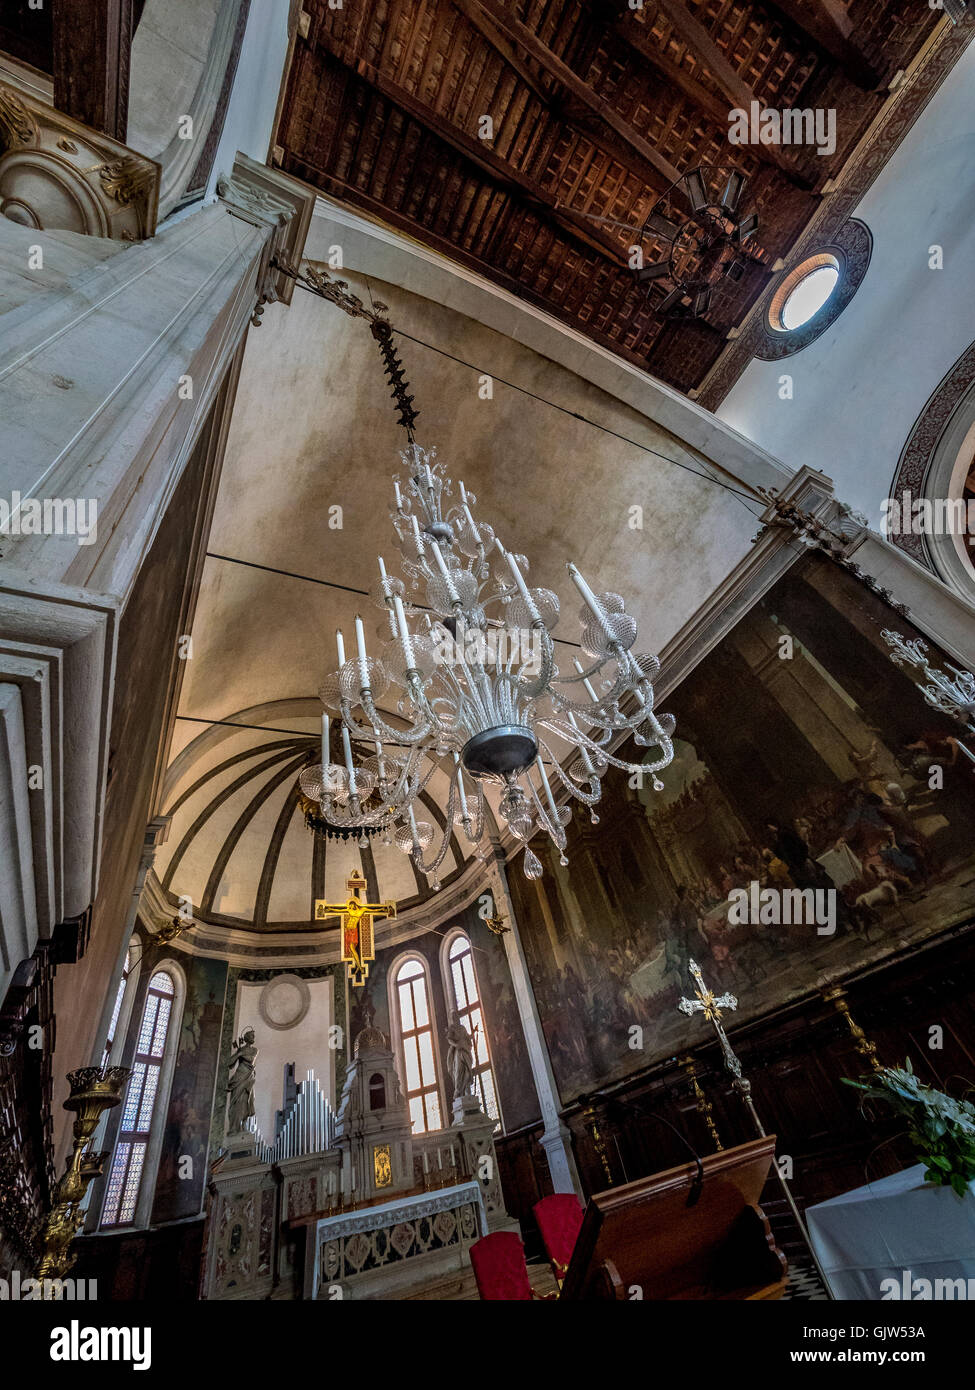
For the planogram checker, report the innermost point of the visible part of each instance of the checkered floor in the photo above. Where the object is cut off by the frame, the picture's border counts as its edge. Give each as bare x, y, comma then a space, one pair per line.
804, 1283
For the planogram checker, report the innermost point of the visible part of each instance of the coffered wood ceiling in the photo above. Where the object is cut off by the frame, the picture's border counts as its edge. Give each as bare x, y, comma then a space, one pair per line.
596, 107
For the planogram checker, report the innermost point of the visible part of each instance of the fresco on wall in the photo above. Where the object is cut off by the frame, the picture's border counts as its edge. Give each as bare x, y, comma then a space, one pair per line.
183, 1156
806, 763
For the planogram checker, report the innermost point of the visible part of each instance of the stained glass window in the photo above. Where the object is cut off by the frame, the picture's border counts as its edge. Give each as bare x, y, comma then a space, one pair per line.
125, 1174
467, 999
416, 1037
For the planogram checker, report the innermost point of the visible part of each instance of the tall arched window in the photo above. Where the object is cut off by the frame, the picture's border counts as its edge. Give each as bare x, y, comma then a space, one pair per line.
122, 1189
416, 1041
117, 1009
464, 991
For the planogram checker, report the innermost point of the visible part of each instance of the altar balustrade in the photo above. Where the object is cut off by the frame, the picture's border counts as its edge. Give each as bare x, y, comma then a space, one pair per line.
390, 1247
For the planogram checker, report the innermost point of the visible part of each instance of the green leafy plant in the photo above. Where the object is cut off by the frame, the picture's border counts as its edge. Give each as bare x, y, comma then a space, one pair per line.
941, 1128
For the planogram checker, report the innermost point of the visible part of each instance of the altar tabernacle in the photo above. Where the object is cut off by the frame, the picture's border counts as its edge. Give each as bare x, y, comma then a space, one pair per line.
357, 1209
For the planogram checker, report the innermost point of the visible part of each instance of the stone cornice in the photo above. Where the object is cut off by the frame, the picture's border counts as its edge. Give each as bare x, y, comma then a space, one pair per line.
260, 194
252, 949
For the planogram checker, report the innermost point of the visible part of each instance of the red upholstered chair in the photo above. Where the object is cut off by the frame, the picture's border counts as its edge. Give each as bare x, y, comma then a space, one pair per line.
499, 1267
559, 1218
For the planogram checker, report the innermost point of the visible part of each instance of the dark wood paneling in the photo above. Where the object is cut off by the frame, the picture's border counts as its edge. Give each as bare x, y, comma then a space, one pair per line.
795, 1062
92, 48
159, 1266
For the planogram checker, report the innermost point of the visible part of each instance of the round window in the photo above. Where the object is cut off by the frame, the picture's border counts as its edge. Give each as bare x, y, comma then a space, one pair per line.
804, 292
809, 296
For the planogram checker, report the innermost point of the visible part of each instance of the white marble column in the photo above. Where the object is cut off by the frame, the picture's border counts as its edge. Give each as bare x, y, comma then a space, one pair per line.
111, 356
556, 1139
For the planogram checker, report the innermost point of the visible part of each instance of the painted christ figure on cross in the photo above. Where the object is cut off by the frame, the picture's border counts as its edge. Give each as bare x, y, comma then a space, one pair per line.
358, 943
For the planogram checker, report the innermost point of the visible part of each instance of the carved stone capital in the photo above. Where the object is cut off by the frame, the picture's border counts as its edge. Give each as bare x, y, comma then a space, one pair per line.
259, 194
56, 173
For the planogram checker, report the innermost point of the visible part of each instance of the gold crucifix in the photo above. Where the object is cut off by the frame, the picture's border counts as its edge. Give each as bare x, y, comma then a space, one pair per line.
358, 943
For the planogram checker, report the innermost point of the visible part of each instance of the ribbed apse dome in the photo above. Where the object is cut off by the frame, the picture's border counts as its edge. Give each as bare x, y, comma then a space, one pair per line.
239, 848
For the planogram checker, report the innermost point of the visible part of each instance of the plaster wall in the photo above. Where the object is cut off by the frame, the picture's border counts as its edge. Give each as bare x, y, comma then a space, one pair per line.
314, 430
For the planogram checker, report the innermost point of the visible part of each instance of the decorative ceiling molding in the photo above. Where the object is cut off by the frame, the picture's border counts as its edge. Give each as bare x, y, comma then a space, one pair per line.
927, 462
258, 769
57, 174
851, 246
245, 947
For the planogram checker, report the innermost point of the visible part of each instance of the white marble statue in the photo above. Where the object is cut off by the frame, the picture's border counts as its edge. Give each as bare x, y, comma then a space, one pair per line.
460, 1056
240, 1084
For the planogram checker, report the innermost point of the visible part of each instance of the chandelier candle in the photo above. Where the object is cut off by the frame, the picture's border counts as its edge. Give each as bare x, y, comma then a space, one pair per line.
457, 689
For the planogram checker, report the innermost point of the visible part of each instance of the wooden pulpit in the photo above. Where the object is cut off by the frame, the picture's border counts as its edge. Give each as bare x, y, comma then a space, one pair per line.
691, 1232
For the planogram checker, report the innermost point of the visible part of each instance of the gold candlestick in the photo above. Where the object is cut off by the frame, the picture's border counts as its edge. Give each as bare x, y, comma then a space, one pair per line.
93, 1091
703, 1104
589, 1115
836, 995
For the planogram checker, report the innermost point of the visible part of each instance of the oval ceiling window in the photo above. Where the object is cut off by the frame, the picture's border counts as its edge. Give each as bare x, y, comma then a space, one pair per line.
804, 292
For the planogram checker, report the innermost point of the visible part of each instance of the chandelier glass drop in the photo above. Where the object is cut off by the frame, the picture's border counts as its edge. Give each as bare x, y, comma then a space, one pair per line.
469, 660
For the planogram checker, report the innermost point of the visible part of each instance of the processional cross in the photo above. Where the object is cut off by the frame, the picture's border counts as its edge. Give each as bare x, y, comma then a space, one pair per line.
358, 942
709, 1004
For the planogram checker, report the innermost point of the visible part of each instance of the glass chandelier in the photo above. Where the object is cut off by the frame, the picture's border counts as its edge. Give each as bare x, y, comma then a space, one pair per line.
470, 662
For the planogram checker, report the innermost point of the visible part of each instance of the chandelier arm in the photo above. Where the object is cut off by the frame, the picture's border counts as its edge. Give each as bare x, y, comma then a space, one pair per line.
417, 854
510, 712
621, 686
401, 796
478, 820
487, 691
595, 789
503, 591
532, 689
593, 670
594, 714
424, 782
414, 735
577, 737
553, 830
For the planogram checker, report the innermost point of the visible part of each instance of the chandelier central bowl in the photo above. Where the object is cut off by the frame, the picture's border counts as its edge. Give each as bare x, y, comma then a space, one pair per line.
501, 752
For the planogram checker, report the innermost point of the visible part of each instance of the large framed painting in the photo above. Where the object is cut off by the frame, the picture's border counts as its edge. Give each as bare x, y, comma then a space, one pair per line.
818, 815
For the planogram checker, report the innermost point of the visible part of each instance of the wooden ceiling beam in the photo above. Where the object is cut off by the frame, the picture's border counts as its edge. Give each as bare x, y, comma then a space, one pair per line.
691, 31
827, 25
492, 36
344, 192
730, 83
519, 34
633, 33
573, 224
555, 102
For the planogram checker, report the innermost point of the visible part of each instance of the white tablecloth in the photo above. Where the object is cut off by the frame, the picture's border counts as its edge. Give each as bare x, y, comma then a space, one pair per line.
895, 1224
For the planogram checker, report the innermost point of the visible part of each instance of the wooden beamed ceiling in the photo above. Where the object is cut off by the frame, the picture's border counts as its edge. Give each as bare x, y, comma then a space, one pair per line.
595, 108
